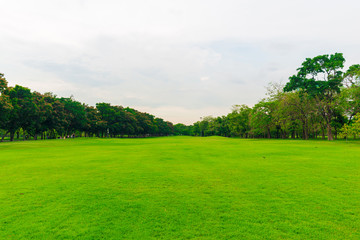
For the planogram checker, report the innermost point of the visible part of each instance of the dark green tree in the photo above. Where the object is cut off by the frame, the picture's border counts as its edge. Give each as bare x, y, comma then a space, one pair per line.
5, 105
75, 115
23, 109
239, 121
3, 83
321, 78
42, 112
261, 118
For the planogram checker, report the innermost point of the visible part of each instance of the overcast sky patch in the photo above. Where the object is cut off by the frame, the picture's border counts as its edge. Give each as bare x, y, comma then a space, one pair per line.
179, 60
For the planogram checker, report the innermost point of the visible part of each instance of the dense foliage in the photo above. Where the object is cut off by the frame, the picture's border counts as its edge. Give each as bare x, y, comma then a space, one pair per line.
316, 102
28, 114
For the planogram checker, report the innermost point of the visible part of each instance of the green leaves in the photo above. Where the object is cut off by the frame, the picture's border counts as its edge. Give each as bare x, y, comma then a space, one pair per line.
352, 129
321, 78
3, 83
352, 76
319, 75
34, 113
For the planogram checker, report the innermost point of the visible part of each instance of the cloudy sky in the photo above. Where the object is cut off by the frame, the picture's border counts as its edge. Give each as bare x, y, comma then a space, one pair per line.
180, 59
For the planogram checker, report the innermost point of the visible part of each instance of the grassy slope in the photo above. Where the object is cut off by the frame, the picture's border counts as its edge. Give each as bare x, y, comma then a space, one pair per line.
179, 187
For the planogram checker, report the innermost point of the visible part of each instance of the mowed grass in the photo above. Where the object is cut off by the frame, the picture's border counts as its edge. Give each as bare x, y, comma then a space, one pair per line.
179, 188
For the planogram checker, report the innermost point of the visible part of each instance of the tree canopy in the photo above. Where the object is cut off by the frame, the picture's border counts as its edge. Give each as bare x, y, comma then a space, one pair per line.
316, 102
33, 114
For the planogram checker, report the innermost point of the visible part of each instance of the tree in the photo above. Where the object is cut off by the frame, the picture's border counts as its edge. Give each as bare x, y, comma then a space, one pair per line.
321, 78
261, 119
56, 122
93, 120
182, 129
3, 83
107, 114
22, 111
350, 95
352, 129
39, 120
281, 112
5, 105
75, 115
352, 76
221, 126
297, 108
33, 113
239, 120
204, 126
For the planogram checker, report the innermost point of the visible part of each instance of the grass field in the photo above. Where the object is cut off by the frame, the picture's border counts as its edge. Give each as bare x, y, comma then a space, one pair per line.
179, 188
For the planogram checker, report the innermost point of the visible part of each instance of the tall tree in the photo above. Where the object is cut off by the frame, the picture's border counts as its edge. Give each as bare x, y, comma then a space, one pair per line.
352, 76
239, 120
75, 114
321, 78
297, 107
350, 95
3, 83
41, 112
22, 111
261, 118
5, 105
56, 122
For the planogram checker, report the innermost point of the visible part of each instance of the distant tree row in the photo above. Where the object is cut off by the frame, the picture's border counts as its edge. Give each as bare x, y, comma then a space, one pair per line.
321, 100
28, 114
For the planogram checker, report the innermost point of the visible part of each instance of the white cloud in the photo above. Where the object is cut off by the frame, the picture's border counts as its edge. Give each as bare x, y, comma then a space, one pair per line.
204, 79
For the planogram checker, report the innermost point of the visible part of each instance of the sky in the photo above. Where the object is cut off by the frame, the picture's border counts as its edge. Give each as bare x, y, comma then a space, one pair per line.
178, 60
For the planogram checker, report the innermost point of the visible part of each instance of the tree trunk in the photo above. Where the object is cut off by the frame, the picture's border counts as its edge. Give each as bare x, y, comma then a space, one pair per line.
329, 132
303, 131
284, 135
306, 134
12, 136
306, 130
3, 136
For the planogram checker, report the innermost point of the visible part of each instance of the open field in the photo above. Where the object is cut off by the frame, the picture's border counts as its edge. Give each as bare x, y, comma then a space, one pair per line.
179, 187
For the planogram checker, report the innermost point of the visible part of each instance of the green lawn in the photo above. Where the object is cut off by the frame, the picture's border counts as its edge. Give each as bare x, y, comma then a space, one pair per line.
179, 188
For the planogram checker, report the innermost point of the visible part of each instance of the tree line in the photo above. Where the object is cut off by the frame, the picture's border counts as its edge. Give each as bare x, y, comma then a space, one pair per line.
31, 115
319, 101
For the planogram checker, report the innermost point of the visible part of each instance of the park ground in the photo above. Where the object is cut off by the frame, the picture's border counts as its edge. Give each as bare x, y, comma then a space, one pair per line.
180, 188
